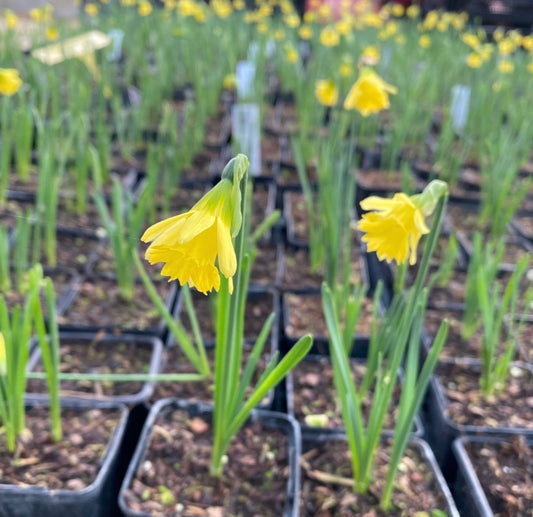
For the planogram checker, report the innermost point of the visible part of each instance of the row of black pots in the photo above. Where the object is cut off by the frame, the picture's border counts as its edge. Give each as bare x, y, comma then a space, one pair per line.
126, 457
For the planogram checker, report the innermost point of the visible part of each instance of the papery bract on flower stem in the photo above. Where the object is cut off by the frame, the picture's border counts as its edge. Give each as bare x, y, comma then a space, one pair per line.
192, 244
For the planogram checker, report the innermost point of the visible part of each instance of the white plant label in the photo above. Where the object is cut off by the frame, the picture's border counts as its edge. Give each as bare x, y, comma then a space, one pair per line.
460, 103
246, 131
245, 73
117, 36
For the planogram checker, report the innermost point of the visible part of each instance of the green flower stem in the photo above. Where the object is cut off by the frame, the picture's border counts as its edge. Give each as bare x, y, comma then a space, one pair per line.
196, 356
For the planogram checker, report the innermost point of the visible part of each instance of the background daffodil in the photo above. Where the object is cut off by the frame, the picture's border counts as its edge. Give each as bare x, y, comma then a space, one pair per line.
10, 81
369, 94
197, 246
395, 226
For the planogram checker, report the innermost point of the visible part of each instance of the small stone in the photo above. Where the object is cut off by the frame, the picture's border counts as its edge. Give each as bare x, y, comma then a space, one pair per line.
75, 484
76, 439
198, 426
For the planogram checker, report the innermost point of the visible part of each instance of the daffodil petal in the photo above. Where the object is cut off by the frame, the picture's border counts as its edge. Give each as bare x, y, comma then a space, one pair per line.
158, 228
227, 260
196, 223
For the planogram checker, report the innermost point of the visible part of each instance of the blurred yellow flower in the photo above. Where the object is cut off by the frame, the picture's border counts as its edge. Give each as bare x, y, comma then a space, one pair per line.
398, 10
193, 244
145, 8
413, 11
292, 20
424, 41
222, 8
530, 67
345, 69
370, 55
471, 40
344, 26
329, 37
527, 42
11, 19
305, 32
505, 66
239, 5
291, 54
262, 28
474, 60
498, 34
430, 21
10, 81
506, 46
369, 94
371, 19
128, 3
326, 92
37, 14
91, 9
442, 25
229, 82
52, 33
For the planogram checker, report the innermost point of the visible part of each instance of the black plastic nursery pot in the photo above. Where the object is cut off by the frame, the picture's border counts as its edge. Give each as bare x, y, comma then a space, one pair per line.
97, 306
104, 353
441, 430
95, 500
321, 445
199, 417
468, 489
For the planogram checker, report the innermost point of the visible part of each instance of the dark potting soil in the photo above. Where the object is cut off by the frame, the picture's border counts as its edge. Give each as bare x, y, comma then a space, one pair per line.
467, 406
505, 471
71, 464
174, 478
327, 485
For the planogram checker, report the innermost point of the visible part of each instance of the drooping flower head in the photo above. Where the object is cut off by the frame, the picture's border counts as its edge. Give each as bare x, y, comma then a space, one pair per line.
369, 94
197, 246
10, 82
393, 227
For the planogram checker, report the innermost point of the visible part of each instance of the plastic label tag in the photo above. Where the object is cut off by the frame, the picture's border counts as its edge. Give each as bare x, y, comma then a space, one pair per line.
117, 36
245, 73
246, 134
72, 47
460, 102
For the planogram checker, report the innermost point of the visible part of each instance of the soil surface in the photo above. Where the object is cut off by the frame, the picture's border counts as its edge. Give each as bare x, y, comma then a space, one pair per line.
71, 464
466, 404
415, 490
505, 471
173, 478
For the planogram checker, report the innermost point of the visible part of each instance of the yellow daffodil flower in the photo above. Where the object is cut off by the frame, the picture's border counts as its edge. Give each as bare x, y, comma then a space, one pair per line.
506, 67
329, 36
145, 8
474, 60
11, 19
193, 244
369, 94
52, 33
305, 32
424, 41
292, 20
506, 46
239, 5
370, 55
527, 42
10, 81
413, 11
530, 67
229, 82
471, 40
393, 227
326, 92
91, 9
398, 10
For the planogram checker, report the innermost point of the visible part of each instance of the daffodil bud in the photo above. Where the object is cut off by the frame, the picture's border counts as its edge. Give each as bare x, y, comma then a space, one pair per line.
235, 171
